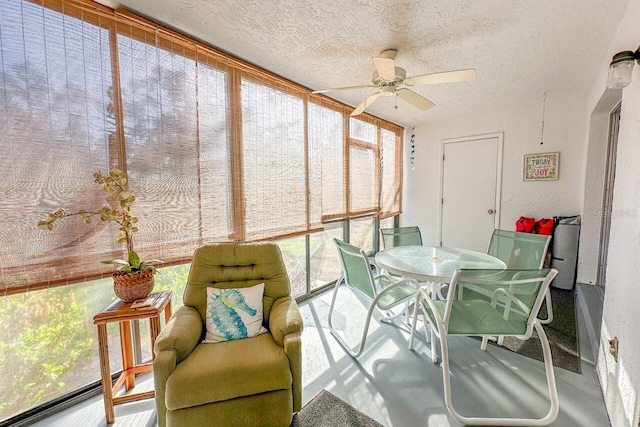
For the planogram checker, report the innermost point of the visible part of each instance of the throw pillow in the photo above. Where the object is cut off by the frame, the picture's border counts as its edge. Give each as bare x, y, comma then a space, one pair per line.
234, 313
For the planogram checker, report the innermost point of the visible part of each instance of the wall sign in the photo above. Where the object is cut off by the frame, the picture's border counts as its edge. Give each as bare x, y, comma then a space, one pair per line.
541, 167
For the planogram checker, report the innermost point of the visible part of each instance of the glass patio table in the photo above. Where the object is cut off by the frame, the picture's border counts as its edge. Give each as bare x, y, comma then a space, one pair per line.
433, 263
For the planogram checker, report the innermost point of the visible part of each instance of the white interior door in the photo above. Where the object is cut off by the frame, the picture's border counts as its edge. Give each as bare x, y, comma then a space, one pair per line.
471, 176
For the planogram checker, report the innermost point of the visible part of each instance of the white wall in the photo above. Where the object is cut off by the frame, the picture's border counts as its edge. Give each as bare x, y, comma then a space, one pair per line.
594, 183
564, 131
621, 316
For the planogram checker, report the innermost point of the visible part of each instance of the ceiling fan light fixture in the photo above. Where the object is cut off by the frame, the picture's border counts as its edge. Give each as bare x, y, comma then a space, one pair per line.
388, 91
621, 68
399, 75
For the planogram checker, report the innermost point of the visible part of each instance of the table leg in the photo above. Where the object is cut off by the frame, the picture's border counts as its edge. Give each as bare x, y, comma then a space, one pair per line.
154, 323
167, 312
127, 354
105, 372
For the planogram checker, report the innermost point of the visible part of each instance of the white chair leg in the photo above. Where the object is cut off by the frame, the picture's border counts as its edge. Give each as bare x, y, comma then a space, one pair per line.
333, 300
547, 300
434, 345
485, 341
429, 334
520, 422
414, 323
358, 350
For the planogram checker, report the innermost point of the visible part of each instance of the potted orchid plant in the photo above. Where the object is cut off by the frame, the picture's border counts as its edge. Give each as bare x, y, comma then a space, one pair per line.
134, 278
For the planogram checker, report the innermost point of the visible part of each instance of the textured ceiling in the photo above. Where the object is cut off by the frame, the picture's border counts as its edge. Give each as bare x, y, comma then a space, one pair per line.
520, 49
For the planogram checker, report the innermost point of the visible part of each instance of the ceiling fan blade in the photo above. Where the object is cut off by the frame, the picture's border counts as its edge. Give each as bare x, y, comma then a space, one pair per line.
386, 67
343, 88
360, 108
414, 99
444, 77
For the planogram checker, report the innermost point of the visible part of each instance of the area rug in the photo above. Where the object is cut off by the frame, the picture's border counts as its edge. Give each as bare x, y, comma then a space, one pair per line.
562, 333
326, 410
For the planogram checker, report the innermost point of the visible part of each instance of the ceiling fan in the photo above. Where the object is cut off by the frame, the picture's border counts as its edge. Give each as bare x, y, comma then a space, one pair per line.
391, 80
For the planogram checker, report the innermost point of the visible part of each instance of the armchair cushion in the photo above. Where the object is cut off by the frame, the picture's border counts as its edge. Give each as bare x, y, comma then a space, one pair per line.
216, 373
234, 313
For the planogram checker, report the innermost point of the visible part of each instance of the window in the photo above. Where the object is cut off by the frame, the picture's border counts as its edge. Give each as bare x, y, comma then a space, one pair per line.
274, 170
294, 255
364, 167
324, 259
388, 222
327, 163
51, 347
174, 114
361, 233
215, 150
391, 179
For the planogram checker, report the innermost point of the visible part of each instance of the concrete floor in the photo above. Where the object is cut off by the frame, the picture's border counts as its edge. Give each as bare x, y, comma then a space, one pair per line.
401, 388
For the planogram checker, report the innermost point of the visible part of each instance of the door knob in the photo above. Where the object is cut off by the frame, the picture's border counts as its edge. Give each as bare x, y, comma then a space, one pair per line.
490, 211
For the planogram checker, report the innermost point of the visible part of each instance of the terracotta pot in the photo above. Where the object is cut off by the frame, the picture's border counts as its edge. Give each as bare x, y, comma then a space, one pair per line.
130, 287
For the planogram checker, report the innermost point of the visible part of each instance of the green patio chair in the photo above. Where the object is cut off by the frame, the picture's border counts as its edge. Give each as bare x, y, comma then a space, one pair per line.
382, 291
523, 251
508, 306
401, 236
519, 250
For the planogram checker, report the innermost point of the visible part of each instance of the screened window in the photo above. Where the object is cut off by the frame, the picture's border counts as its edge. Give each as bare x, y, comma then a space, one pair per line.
327, 163
364, 167
391, 175
57, 122
274, 170
215, 149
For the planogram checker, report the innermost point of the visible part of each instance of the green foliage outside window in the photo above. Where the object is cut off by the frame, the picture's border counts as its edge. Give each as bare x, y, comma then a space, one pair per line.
48, 337
49, 347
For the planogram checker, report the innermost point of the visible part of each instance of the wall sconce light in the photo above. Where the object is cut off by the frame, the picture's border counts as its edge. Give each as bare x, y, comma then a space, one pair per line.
621, 68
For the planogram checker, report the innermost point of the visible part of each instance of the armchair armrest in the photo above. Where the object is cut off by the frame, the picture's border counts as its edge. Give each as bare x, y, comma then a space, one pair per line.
174, 343
285, 325
285, 319
181, 334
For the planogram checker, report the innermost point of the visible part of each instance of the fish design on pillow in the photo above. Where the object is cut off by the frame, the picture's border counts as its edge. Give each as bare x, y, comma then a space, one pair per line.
222, 309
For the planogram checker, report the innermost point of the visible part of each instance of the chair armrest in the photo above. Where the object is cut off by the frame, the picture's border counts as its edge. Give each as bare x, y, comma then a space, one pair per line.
181, 334
174, 343
285, 324
284, 319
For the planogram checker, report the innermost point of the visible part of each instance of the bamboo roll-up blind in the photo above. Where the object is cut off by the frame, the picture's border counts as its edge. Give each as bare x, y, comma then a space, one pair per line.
215, 148
364, 167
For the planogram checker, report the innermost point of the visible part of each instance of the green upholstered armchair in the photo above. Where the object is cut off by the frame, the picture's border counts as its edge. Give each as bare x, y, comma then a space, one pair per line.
246, 382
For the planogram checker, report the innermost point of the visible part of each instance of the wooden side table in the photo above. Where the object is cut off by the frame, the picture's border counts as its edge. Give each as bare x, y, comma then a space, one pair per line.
122, 313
